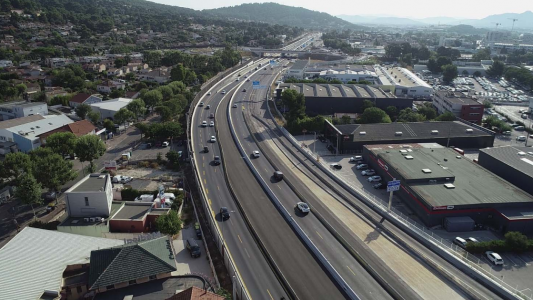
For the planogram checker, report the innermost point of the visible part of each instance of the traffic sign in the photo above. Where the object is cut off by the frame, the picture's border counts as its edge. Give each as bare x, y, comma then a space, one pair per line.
393, 185
256, 85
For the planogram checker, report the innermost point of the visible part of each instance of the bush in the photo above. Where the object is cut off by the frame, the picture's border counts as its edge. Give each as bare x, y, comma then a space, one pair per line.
169, 224
144, 164
129, 194
42, 225
154, 165
514, 242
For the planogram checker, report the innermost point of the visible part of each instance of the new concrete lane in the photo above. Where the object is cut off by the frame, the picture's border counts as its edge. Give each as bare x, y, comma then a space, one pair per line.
259, 279
298, 266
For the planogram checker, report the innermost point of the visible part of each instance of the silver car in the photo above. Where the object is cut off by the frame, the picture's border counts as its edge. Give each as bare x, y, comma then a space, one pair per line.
303, 207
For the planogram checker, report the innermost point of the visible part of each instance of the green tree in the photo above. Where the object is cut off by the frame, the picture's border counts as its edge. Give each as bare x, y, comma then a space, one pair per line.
166, 92
366, 104
173, 157
392, 111
62, 143
497, 69
137, 107
15, 165
516, 241
94, 116
170, 223
82, 110
487, 104
123, 115
427, 111
483, 54
222, 292
29, 191
449, 73
477, 74
374, 115
447, 116
109, 125
143, 128
164, 112
153, 98
89, 148
346, 120
295, 103
408, 115
50, 169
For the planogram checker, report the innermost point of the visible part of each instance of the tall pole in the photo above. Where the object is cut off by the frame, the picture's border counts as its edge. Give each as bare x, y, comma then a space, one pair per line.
337, 153
390, 196
314, 144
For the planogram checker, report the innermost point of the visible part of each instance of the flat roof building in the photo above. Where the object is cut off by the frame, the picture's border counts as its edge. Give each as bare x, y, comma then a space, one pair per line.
459, 134
437, 183
512, 163
462, 106
406, 83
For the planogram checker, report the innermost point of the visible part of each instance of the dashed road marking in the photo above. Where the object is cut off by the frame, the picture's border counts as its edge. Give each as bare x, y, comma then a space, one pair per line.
351, 271
319, 234
270, 294
239, 238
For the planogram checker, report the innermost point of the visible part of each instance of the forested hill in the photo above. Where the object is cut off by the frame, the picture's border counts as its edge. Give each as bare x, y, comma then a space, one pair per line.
284, 15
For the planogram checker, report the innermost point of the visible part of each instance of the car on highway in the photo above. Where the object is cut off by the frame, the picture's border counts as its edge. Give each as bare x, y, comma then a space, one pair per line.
237, 79
235, 105
255, 154
223, 92
209, 93
278, 175
206, 149
355, 159
494, 258
213, 139
204, 123
224, 213
244, 90
247, 80
523, 116
379, 186
208, 107
216, 160
211, 124
164, 144
361, 167
521, 138
303, 207
368, 172
211, 116
201, 104
335, 166
375, 178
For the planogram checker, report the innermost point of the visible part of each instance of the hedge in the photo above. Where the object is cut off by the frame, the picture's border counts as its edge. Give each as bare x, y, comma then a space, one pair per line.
513, 242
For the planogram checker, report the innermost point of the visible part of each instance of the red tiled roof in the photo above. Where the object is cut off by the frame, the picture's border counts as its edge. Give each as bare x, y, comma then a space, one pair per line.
195, 293
79, 128
80, 98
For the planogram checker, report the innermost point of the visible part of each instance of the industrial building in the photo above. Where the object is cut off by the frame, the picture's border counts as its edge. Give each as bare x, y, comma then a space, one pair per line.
462, 106
512, 163
109, 108
20, 109
327, 99
353, 137
406, 84
297, 70
438, 183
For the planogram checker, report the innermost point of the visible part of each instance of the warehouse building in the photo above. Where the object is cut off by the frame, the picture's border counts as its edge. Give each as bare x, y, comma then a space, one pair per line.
437, 183
353, 137
512, 163
328, 99
405, 82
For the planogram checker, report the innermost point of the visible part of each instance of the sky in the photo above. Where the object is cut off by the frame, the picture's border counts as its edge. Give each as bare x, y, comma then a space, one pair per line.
461, 9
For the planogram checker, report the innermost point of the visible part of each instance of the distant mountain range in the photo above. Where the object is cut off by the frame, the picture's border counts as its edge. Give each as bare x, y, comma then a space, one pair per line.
274, 13
525, 21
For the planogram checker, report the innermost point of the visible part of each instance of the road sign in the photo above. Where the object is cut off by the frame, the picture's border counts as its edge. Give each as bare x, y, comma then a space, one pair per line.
257, 86
393, 185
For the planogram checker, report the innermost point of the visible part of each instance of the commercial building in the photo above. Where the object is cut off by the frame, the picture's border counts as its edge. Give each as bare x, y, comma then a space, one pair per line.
84, 99
353, 137
34, 261
297, 70
25, 132
512, 163
19, 109
328, 99
90, 197
437, 183
405, 82
79, 128
109, 108
348, 75
461, 105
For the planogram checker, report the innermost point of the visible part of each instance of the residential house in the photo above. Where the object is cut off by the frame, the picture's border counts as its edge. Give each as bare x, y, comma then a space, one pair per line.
5, 63
114, 72
32, 71
52, 92
95, 67
32, 89
158, 75
108, 86
19, 109
109, 108
26, 134
79, 128
82, 98
58, 62
137, 66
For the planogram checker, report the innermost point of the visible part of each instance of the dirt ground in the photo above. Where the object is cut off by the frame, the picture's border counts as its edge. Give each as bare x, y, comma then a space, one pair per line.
148, 173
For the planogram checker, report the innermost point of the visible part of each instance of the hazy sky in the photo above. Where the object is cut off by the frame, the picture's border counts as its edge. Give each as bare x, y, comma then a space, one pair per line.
465, 9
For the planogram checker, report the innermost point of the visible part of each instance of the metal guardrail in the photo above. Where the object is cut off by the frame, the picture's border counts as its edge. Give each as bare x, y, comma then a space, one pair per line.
411, 226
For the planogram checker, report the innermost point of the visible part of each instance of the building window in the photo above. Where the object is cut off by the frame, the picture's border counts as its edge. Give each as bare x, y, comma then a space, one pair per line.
132, 282
152, 277
474, 114
110, 287
79, 289
86, 201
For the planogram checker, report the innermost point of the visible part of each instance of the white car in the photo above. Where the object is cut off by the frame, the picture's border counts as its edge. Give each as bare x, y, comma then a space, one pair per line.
303, 207
213, 139
374, 178
357, 158
165, 144
209, 93
237, 79
361, 166
494, 257
204, 123
234, 105
521, 138
223, 91
368, 172
255, 154
212, 124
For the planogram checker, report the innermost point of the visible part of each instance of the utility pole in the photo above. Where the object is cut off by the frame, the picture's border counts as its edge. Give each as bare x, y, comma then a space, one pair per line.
497, 24
514, 20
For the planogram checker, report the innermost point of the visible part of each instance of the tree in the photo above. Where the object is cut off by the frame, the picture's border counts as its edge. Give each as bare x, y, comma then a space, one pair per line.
465, 73
143, 128
516, 241
346, 120
89, 148
374, 115
427, 111
477, 74
449, 73
123, 115
62, 143
82, 110
153, 98
137, 107
169, 224
487, 104
423, 53
497, 69
164, 112
366, 104
173, 157
29, 191
109, 125
408, 115
295, 103
432, 65
15, 165
447, 116
50, 169
94, 116
166, 91
483, 54
392, 111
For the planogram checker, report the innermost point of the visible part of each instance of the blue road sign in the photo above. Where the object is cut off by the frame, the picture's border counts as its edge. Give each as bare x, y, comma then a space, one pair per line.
393, 185
257, 86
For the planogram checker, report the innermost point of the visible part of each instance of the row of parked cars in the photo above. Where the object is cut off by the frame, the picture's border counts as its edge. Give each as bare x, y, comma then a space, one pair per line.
492, 256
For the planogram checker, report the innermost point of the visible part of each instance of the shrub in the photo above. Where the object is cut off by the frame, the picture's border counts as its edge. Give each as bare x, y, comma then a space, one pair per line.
516, 241
43, 225
154, 165
144, 164
169, 224
129, 194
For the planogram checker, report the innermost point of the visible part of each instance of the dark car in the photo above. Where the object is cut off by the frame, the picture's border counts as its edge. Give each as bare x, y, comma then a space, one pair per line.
278, 175
336, 166
379, 186
50, 196
206, 149
224, 213
193, 247
216, 160
197, 229
244, 90
211, 116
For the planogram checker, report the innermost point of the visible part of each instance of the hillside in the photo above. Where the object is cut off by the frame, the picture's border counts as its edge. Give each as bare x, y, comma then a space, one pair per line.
281, 14
466, 29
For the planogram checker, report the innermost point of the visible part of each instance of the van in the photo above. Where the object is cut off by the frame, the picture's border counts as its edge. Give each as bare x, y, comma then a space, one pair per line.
193, 247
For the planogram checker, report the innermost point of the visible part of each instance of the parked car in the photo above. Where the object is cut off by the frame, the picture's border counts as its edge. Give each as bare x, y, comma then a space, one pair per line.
521, 138
379, 186
165, 144
460, 242
355, 159
49, 196
255, 154
193, 247
494, 257
524, 116
374, 178
361, 167
368, 172
121, 179
216, 160
471, 240
303, 207
213, 139
197, 229
506, 133
336, 166
224, 213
